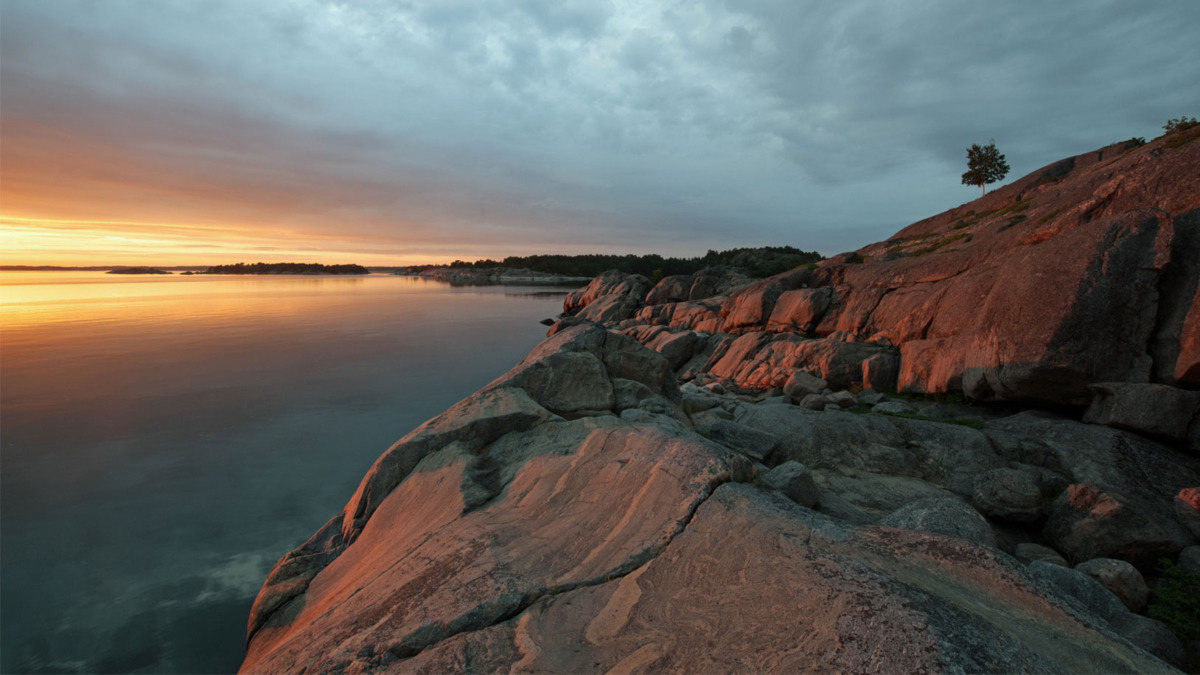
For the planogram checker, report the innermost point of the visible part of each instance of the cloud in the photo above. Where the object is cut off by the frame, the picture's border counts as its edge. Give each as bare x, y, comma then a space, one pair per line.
552, 125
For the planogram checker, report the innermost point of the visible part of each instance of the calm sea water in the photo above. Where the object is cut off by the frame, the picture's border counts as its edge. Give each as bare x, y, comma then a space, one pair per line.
163, 440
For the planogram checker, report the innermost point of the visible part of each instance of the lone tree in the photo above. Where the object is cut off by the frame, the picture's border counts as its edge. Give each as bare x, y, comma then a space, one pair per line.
985, 165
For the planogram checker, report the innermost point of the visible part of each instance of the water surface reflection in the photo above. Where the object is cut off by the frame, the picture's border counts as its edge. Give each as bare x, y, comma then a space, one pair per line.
166, 438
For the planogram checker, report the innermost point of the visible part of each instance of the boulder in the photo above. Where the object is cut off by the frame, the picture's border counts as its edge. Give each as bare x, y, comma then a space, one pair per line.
716, 281
1027, 552
1187, 509
750, 308
747, 440
838, 362
1189, 559
801, 383
814, 402
1144, 632
1009, 494
950, 517
1121, 578
893, 408
798, 311
1086, 522
671, 289
881, 371
1134, 480
612, 282
870, 397
914, 457
676, 348
1155, 409
794, 481
843, 399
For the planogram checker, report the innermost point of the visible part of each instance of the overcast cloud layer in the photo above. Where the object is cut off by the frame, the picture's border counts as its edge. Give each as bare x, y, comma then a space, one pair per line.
454, 128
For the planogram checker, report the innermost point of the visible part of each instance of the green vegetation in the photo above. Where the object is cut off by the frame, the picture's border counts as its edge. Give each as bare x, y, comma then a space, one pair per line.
1174, 602
1046, 218
985, 165
286, 268
755, 262
1135, 142
1180, 124
1187, 135
940, 244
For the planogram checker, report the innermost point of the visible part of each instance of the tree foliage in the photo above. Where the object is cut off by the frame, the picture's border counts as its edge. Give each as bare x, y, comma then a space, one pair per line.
985, 165
1180, 124
286, 268
755, 262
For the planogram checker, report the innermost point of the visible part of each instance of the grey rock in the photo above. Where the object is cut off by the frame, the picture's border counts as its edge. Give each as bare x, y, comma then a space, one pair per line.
795, 481
1140, 475
1187, 509
832, 407
1103, 604
1156, 409
1119, 577
870, 397
894, 408
694, 403
814, 402
1086, 522
1150, 635
628, 393
1189, 559
671, 289
843, 399
747, 440
676, 348
950, 517
1075, 584
1009, 494
880, 494
881, 371
802, 383
940, 456
1029, 552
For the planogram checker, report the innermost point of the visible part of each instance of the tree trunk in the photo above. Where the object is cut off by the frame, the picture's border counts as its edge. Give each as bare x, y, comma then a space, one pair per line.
983, 186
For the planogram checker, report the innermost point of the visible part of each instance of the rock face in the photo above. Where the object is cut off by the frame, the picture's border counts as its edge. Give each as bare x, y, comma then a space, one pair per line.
584, 512
1082, 273
571, 516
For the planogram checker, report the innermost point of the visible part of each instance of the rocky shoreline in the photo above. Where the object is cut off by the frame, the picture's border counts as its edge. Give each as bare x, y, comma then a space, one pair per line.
716, 474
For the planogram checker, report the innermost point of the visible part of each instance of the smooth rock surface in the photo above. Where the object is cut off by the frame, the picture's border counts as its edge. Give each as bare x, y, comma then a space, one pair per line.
1155, 409
1027, 552
950, 517
1009, 494
1121, 578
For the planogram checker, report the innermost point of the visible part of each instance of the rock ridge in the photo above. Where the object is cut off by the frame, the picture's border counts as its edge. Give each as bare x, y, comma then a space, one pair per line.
717, 473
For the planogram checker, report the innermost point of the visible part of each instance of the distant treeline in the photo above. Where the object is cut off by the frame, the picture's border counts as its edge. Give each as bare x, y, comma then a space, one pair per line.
286, 268
756, 262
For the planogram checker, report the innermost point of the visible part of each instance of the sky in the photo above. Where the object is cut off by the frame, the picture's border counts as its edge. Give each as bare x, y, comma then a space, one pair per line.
421, 131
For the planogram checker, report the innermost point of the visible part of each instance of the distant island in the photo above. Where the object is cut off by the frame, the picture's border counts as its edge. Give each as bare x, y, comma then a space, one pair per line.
286, 268
137, 270
757, 262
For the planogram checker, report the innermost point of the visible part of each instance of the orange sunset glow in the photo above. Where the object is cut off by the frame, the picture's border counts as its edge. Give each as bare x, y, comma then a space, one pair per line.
164, 134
